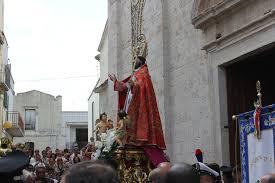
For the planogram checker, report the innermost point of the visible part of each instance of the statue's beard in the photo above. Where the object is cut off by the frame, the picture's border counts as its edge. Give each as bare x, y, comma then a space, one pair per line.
137, 65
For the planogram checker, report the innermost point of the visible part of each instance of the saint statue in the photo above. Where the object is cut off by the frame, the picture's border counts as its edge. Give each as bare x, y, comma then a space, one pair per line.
121, 128
102, 126
137, 98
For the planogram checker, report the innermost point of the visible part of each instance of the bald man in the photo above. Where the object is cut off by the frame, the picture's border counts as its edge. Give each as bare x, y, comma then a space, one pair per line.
157, 175
165, 166
182, 173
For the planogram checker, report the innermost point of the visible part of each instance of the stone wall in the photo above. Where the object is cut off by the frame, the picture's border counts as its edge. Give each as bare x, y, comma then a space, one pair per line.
178, 70
189, 83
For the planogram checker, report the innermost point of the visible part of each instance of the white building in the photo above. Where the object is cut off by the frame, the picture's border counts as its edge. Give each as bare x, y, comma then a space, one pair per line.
8, 116
42, 114
204, 58
101, 99
104, 87
76, 127
93, 111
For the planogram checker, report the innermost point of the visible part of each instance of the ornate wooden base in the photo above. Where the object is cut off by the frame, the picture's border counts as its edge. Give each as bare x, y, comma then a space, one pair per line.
133, 165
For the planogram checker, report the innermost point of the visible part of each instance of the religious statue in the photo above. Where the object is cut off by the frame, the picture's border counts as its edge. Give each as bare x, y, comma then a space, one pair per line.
96, 131
110, 125
110, 131
137, 98
121, 128
102, 126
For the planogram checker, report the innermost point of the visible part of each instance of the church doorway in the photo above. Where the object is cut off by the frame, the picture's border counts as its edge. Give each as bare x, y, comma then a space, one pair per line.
241, 77
81, 137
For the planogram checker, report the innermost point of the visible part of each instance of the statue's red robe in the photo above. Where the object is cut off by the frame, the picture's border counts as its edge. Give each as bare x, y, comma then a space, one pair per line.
145, 129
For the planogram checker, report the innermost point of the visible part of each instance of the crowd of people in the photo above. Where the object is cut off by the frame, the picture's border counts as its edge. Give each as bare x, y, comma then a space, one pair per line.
98, 172
82, 165
50, 165
74, 166
200, 173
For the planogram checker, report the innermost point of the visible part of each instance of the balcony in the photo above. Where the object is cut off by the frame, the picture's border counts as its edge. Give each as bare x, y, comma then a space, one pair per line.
18, 126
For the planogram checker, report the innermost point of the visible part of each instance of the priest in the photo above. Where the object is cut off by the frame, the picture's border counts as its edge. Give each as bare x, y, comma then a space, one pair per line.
137, 98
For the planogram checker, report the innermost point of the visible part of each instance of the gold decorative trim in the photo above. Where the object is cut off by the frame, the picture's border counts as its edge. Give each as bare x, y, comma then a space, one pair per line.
258, 103
133, 165
139, 45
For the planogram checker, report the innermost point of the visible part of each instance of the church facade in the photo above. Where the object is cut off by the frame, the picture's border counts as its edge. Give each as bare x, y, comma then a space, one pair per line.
203, 57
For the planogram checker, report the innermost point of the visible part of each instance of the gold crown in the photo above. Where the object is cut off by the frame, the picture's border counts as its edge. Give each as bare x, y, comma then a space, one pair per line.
5, 141
5, 146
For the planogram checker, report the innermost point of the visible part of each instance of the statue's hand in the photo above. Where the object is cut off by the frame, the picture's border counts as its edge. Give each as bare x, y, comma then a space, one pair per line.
131, 83
112, 77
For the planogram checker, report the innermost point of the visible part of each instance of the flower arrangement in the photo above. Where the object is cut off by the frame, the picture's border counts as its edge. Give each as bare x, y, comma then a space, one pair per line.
105, 146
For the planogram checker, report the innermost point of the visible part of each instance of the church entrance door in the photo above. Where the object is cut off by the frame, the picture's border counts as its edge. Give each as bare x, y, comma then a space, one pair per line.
241, 89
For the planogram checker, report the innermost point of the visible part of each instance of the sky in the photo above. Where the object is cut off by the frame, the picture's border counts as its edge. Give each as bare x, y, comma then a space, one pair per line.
52, 45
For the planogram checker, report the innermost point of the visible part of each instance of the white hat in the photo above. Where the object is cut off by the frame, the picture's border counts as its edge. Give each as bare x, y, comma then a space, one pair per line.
203, 168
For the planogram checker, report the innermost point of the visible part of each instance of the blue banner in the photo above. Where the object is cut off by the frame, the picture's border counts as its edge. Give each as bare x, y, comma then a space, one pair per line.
257, 155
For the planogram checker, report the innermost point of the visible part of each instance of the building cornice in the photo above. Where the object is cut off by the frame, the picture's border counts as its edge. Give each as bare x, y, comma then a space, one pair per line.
101, 87
249, 29
37, 91
203, 19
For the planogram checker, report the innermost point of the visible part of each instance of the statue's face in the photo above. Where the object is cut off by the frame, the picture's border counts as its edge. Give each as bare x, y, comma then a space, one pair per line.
138, 63
110, 124
97, 121
104, 117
